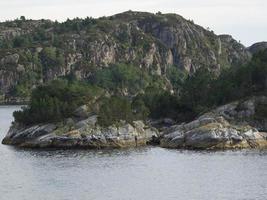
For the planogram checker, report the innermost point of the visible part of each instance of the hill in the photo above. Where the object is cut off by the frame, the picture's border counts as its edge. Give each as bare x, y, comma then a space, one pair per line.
33, 52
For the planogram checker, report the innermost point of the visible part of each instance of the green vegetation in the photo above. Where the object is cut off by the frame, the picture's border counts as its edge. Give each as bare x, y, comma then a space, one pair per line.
203, 91
115, 109
51, 57
176, 77
48, 50
55, 101
198, 93
261, 111
21, 41
121, 78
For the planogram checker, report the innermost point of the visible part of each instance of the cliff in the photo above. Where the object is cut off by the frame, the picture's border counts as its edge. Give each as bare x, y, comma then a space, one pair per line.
36, 51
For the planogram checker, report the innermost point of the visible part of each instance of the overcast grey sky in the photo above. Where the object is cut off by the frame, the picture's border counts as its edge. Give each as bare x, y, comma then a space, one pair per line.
246, 20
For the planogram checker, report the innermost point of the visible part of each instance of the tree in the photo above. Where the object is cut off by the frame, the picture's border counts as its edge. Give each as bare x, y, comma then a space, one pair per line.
196, 90
22, 18
176, 77
121, 76
113, 110
140, 110
21, 41
55, 101
51, 57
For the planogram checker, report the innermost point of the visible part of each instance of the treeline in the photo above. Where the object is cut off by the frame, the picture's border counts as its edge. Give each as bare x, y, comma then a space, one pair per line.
35, 66
194, 94
50, 33
125, 79
202, 90
55, 101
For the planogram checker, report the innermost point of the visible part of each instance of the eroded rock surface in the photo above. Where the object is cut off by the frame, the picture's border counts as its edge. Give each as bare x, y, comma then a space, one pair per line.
240, 124
80, 134
153, 42
235, 125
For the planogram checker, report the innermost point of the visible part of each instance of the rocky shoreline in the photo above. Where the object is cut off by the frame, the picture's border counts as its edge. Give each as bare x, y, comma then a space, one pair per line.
232, 126
82, 134
213, 133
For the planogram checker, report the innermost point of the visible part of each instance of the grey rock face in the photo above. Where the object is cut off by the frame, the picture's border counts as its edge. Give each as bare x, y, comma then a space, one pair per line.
257, 47
153, 42
82, 112
28, 133
10, 59
227, 127
9, 71
84, 134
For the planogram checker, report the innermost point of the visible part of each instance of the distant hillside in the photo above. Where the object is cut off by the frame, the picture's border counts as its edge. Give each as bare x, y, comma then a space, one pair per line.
36, 51
255, 48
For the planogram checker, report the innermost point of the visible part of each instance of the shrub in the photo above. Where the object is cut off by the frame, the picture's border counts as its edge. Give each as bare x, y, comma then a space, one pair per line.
51, 57
176, 77
55, 101
261, 111
158, 103
115, 109
22, 41
121, 76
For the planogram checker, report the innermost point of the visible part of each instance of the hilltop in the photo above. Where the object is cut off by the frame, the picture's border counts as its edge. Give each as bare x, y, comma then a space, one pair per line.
33, 52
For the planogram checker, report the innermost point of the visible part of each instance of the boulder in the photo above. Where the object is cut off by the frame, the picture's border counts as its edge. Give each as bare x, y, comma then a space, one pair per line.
10, 59
227, 127
82, 112
255, 48
84, 134
87, 122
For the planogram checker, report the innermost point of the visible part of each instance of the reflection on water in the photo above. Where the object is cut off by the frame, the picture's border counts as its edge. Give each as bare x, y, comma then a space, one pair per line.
143, 173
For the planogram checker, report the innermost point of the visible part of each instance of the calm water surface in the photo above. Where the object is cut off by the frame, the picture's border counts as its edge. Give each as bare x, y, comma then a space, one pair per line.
149, 173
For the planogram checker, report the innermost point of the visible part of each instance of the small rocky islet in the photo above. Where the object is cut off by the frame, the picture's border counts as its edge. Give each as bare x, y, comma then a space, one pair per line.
231, 126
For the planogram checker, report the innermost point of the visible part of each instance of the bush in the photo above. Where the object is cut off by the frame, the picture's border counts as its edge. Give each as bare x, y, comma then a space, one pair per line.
51, 57
140, 110
261, 111
115, 109
202, 90
199, 93
55, 101
121, 76
22, 41
176, 77
157, 103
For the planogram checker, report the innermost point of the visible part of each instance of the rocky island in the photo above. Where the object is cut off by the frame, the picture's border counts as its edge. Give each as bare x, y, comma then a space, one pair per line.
232, 126
131, 79
84, 134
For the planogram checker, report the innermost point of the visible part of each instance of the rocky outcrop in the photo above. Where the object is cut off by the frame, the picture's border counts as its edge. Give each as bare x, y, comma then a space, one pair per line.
240, 124
192, 46
80, 134
149, 41
8, 71
255, 48
82, 112
235, 125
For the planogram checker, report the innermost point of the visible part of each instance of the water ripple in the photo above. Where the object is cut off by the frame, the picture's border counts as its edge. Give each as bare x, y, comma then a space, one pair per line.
129, 174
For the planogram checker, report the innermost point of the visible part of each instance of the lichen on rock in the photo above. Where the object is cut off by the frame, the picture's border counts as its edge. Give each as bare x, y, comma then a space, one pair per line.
228, 127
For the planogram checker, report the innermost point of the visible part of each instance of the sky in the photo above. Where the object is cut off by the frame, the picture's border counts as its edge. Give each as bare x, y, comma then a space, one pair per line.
245, 20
